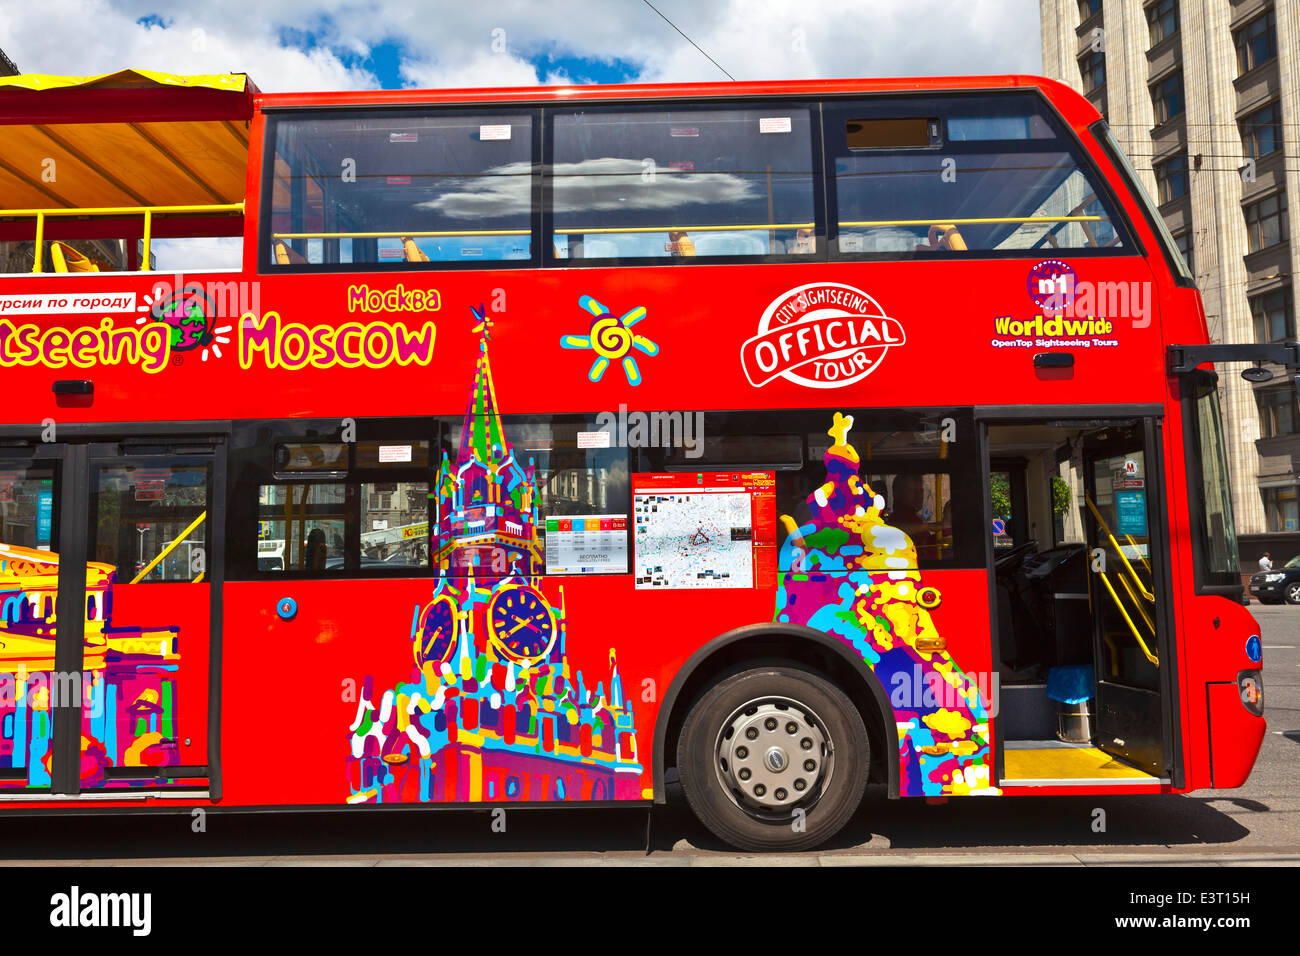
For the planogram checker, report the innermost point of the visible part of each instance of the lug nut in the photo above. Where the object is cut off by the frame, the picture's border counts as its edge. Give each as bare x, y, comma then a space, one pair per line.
751, 733
810, 765
781, 794
770, 723
742, 753
800, 785
806, 743
792, 728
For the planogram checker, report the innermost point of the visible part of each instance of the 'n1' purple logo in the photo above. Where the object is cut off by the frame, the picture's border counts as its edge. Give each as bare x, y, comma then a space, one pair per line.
1051, 285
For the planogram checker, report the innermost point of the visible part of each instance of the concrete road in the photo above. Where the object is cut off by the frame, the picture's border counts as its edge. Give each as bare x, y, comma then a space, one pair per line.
1258, 824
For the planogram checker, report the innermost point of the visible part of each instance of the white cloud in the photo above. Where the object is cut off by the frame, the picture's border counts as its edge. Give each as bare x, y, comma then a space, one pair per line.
106, 38
192, 255
449, 43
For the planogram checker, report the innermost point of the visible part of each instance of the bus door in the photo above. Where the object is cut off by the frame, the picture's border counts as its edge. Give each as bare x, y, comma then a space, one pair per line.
121, 538
1125, 551
1077, 557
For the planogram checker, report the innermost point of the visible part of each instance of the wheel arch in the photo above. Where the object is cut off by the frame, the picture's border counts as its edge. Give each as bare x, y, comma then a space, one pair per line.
755, 643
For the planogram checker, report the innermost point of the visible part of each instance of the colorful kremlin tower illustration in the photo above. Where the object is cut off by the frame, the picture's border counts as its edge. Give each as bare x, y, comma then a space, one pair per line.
848, 573
491, 710
128, 693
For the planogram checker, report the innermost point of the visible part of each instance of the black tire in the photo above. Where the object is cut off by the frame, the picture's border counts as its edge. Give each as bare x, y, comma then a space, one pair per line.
1292, 592
810, 702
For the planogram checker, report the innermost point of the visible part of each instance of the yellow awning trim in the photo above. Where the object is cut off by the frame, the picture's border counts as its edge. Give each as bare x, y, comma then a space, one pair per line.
230, 82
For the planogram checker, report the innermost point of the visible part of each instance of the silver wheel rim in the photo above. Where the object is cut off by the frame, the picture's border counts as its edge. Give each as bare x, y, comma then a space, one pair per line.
774, 756
1293, 592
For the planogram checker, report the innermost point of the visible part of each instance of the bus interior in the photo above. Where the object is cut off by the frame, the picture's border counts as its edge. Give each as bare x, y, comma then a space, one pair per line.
1077, 635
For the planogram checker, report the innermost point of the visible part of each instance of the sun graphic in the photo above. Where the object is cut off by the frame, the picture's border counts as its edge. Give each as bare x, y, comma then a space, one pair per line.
612, 340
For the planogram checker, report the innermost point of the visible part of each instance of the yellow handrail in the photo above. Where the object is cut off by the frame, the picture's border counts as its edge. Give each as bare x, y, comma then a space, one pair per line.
612, 230
148, 212
595, 230
1118, 550
397, 234
967, 222
171, 547
1128, 588
1131, 626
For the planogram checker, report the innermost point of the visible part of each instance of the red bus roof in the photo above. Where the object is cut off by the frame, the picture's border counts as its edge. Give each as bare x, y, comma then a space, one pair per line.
1077, 110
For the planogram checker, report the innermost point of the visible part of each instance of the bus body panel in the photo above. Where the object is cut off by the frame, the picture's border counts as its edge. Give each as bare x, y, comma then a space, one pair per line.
961, 333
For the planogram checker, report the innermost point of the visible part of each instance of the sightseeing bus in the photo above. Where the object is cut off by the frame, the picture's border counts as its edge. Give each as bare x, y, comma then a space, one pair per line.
568, 445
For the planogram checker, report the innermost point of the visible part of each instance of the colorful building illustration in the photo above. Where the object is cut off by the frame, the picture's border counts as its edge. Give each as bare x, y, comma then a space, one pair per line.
127, 686
848, 573
492, 710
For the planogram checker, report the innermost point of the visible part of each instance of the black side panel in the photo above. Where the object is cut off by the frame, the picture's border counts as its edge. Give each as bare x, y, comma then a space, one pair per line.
1129, 725
70, 611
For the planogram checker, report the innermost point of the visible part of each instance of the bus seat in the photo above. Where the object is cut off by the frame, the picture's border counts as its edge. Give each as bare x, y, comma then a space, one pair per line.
680, 243
67, 259
286, 256
411, 251
946, 236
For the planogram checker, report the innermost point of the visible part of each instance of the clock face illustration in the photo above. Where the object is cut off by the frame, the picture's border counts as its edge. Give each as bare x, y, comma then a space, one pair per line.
438, 630
521, 624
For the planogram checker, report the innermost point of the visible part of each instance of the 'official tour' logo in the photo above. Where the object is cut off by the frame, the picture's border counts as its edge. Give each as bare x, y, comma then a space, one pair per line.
822, 335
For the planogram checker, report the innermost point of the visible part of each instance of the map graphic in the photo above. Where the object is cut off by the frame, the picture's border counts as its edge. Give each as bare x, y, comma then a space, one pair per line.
697, 531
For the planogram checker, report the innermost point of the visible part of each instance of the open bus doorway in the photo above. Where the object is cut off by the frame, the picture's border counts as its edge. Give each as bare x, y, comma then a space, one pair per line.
1078, 624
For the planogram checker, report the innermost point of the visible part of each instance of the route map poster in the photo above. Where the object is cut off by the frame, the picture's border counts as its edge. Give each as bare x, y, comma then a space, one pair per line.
710, 529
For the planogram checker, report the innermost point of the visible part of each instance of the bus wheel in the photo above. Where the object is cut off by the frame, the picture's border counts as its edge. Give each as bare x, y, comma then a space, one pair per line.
774, 758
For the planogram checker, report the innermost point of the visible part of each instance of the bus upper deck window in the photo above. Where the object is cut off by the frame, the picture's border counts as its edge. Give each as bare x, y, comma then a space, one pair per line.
397, 188
992, 174
684, 185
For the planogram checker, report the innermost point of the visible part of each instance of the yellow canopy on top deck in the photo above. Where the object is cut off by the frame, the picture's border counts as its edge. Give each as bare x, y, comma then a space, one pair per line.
133, 138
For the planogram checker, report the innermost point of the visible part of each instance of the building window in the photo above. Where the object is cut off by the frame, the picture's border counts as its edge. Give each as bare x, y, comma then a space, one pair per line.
1089, 8
1274, 316
1279, 412
1266, 222
1184, 243
1282, 508
1256, 42
1167, 97
1093, 70
1162, 20
1261, 131
1171, 178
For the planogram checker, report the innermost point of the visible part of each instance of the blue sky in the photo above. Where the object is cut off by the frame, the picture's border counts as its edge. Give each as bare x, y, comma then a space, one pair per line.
322, 45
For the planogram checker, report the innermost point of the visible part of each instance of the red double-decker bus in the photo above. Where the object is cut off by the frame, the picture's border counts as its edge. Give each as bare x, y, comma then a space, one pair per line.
530, 446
